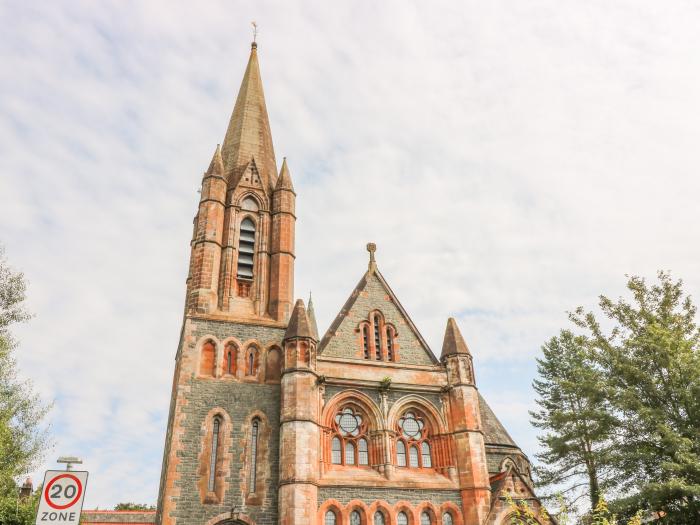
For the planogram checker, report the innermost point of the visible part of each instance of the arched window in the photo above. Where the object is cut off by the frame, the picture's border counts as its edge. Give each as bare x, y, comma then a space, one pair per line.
425, 454
362, 452
231, 356
447, 519
246, 253
401, 518
273, 365
425, 519
413, 456
249, 204
377, 339
251, 368
379, 518
336, 455
254, 431
400, 454
355, 518
213, 457
389, 343
413, 434
349, 453
207, 360
349, 445
330, 518
365, 340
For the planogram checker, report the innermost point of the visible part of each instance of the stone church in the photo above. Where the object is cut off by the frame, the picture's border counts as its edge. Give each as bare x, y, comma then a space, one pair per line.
273, 423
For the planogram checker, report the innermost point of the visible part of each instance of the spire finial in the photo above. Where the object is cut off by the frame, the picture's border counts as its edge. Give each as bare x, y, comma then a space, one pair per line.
254, 45
371, 248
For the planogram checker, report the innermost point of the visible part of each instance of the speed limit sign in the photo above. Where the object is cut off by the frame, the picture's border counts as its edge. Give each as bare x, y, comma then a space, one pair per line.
61, 497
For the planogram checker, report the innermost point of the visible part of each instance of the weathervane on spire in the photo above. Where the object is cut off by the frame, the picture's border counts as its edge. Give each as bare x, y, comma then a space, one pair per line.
255, 31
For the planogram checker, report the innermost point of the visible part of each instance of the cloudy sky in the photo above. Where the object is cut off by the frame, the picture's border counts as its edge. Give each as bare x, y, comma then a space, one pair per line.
511, 160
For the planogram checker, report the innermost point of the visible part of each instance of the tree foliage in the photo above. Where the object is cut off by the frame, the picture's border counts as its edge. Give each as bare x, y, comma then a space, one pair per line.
576, 417
22, 437
134, 506
642, 357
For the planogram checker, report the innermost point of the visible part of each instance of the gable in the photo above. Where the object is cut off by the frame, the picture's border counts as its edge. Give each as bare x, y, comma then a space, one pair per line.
372, 293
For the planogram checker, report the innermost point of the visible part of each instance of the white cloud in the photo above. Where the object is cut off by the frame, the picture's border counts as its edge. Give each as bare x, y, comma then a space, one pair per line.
511, 161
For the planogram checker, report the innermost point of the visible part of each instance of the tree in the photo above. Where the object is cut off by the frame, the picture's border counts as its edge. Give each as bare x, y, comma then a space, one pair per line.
134, 506
22, 438
576, 417
650, 358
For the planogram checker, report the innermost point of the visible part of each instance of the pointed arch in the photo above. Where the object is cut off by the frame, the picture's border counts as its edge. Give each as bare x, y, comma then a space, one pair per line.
273, 364
358, 398
434, 417
214, 457
207, 351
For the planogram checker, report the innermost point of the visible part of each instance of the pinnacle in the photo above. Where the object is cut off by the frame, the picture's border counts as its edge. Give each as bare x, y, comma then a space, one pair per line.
454, 342
216, 167
312, 317
299, 324
284, 182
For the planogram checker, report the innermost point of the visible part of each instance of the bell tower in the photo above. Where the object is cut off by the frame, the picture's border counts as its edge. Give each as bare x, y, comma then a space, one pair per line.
242, 261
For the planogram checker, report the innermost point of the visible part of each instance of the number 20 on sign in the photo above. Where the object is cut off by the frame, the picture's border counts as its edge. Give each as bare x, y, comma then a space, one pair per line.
61, 497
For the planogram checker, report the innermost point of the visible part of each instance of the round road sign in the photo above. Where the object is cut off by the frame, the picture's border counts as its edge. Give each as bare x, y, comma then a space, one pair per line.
63, 491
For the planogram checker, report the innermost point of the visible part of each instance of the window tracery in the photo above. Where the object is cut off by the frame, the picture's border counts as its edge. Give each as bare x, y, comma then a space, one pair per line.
349, 445
378, 338
414, 438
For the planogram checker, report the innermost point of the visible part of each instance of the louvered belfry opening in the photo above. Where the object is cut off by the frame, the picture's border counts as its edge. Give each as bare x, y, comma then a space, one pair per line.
246, 250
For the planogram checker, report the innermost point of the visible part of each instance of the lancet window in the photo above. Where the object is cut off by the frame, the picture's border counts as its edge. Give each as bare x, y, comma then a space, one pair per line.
246, 254
349, 444
254, 431
447, 519
216, 427
230, 361
413, 442
378, 338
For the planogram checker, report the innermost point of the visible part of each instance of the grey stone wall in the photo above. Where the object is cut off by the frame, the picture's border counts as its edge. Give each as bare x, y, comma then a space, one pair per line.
390, 495
239, 400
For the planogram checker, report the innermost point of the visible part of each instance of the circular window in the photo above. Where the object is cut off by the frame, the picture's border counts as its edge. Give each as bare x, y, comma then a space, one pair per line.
411, 427
348, 422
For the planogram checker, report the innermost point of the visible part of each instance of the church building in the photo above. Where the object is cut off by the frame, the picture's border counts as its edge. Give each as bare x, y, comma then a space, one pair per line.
272, 422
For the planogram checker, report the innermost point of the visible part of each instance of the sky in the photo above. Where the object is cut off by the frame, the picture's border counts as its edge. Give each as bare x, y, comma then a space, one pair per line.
512, 160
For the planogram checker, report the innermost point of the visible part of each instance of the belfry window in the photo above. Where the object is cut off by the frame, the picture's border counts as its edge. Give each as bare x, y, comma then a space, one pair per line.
414, 436
246, 249
216, 426
349, 445
255, 429
377, 339
365, 340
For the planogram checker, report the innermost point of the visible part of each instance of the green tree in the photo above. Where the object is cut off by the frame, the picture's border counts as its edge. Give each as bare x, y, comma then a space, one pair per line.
134, 506
576, 418
22, 436
649, 351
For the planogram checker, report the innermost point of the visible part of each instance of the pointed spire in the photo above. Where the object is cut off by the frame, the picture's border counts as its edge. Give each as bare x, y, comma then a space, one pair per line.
216, 167
453, 342
299, 324
248, 134
312, 317
284, 182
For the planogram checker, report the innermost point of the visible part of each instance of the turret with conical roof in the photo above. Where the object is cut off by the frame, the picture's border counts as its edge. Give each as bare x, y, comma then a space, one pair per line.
312, 317
282, 246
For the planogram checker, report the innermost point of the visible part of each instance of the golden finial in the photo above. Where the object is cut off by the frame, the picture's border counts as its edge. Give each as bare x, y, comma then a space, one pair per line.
371, 248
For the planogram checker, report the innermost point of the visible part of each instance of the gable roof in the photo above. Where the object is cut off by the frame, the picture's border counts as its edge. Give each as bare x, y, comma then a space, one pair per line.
374, 293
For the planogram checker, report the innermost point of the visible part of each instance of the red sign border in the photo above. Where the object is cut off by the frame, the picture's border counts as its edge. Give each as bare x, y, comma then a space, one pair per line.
71, 503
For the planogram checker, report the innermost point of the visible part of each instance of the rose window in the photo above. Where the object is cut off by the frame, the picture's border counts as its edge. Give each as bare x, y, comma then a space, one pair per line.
349, 445
412, 445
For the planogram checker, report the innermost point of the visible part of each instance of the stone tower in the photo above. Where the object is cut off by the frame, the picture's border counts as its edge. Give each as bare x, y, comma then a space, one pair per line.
270, 425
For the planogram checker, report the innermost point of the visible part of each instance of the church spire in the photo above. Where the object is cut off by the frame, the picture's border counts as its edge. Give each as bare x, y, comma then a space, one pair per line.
248, 135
